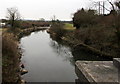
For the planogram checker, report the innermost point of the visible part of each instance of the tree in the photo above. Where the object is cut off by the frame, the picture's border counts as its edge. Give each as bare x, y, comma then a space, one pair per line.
84, 18
113, 8
118, 4
42, 20
13, 16
78, 18
117, 24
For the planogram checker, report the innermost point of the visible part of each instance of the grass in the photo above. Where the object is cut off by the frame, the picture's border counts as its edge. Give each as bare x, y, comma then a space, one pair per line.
69, 27
10, 55
100, 39
3, 29
0, 29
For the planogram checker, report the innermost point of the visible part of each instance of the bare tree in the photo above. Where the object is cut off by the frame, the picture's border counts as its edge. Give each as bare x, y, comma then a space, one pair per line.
112, 4
13, 16
117, 4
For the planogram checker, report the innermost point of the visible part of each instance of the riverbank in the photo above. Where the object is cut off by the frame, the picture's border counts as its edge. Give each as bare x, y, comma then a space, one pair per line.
87, 40
0, 55
92, 71
12, 68
28, 31
43, 57
87, 48
10, 58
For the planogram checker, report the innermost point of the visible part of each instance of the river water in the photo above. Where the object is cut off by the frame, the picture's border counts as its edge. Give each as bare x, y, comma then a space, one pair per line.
46, 60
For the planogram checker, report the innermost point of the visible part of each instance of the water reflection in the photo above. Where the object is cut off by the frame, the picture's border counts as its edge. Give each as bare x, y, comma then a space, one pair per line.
44, 57
73, 55
63, 51
77, 53
46, 60
83, 55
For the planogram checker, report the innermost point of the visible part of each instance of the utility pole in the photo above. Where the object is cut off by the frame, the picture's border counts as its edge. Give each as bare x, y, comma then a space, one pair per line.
103, 7
99, 7
54, 17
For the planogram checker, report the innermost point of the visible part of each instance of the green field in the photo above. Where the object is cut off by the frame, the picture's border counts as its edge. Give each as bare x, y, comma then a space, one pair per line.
69, 26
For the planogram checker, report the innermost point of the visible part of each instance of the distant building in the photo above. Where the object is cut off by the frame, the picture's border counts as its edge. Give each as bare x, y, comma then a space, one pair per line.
2, 25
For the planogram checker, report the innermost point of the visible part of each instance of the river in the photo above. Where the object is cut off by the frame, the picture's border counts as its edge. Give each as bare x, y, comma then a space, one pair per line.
49, 61
46, 60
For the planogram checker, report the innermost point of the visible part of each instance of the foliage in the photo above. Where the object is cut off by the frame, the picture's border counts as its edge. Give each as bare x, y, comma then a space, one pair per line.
29, 24
117, 24
41, 19
84, 18
58, 29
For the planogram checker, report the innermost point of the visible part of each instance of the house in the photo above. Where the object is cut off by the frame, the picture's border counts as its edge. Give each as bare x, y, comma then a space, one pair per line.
2, 24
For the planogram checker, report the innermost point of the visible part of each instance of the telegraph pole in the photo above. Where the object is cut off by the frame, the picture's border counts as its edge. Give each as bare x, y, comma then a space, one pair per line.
99, 7
103, 7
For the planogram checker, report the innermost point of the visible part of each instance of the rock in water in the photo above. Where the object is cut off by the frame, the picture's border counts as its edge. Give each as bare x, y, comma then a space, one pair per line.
23, 81
22, 65
23, 71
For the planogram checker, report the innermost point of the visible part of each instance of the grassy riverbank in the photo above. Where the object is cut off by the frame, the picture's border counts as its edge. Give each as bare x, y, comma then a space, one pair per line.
10, 58
97, 39
11, 53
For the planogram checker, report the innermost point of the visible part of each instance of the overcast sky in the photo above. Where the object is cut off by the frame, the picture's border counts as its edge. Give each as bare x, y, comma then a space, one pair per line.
35, 9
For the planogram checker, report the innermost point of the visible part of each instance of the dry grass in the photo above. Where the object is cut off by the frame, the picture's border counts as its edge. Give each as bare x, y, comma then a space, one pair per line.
101, 38
10, 55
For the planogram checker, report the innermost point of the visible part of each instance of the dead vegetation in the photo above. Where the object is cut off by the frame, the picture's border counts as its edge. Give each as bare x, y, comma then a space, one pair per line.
10, 58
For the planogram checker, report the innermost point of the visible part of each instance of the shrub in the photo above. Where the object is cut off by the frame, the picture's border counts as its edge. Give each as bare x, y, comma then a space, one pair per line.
101, 38
58, 29
84, 18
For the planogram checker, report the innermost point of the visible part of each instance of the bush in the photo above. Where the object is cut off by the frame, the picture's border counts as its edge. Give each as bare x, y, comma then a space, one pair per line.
100, 38
84, 18
58, 29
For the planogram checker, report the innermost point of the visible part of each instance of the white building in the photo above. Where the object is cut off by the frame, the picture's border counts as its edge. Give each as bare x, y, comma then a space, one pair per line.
2, 24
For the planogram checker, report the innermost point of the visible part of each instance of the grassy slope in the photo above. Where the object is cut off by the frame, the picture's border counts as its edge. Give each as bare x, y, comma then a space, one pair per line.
69, 27
10, 55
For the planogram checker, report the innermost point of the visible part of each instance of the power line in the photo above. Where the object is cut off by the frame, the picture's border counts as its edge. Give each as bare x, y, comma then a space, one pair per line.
100, 6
